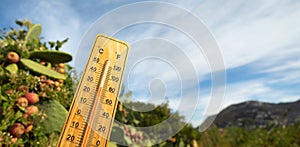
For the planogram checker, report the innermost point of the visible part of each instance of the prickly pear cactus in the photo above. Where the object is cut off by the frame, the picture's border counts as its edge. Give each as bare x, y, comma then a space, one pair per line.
36, 90
56, 115
36, 67
12, 68
33, 33
51, 56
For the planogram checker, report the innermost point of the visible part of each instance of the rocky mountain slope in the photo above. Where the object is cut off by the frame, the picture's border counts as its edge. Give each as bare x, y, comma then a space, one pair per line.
255, 114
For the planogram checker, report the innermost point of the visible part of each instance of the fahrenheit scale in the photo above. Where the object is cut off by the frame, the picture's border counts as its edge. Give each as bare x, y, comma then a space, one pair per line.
92, 112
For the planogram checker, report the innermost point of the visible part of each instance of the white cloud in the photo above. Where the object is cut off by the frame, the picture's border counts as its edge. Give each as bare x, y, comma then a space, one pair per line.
257, 89
289, 65
247, 31
281, 68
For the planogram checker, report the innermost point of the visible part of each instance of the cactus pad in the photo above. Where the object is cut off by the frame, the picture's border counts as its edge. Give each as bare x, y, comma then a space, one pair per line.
111, 144
12, 68
117, 134
55, 116
36, 67
51, 56
33, 33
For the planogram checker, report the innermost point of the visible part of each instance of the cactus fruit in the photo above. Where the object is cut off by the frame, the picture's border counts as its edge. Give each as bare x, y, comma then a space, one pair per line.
14, 140
51, 56
58, 88
17, 129
56, 84
36, 67
23, 88
28, 128
33, 33
43, 94
49, 82
61, 65
32, 98
60, 81
31, 110
61, 70
9, 91
22, 101
43, 63
12, 57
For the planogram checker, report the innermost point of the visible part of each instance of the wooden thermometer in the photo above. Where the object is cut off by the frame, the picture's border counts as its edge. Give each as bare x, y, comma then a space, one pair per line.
93, 109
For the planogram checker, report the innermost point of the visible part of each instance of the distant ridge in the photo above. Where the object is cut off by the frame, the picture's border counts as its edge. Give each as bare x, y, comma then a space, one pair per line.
255, 114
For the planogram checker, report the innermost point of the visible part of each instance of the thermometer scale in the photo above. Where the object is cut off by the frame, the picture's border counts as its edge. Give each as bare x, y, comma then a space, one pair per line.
93, 109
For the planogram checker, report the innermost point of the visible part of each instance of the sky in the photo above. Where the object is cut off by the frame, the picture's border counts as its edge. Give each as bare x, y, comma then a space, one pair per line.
258, 41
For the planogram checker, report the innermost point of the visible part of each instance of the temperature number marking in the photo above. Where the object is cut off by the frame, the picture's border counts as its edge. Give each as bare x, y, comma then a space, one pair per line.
93, 69
86, 89
97, 142
83, 100
70, 138
101, 128
112, 90
105, 114
96, 59
115, 78
90, 79
117, 68
75, 124
78, 112
108, 101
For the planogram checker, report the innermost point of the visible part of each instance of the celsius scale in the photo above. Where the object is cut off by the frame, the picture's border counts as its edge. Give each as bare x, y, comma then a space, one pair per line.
93, 109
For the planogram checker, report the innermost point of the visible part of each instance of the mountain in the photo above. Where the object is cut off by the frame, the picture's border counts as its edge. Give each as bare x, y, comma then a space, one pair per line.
255, 114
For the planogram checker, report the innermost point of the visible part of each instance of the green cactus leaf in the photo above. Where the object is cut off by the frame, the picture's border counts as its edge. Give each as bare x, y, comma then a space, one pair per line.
12, 68
112, 144
136, 121
51, 56
117, 134
49, 65
147, 142
33, 33
3, 98
181, 143
127, 140
55, 116
36, 67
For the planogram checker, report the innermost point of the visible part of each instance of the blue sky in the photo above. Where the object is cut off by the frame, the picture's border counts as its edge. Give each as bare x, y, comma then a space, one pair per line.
259, 42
